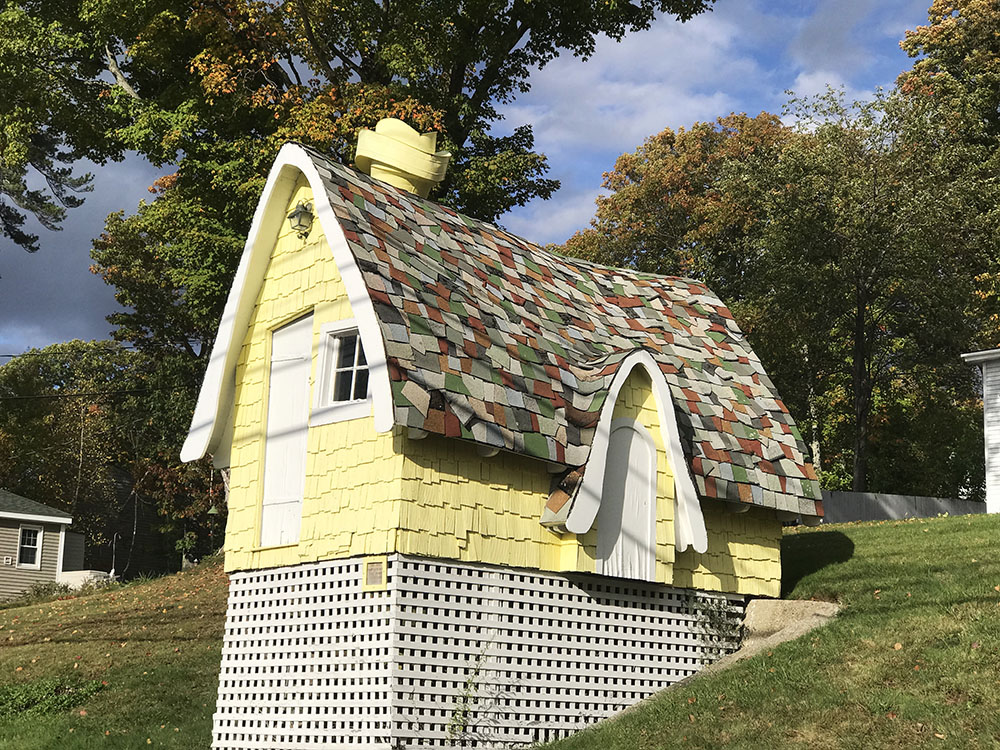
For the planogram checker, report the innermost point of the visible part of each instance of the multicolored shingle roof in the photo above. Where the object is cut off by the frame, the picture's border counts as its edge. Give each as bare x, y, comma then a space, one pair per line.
493, 339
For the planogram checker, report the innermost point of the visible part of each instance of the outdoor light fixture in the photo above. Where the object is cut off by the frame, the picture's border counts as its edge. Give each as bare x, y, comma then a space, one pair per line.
301, 219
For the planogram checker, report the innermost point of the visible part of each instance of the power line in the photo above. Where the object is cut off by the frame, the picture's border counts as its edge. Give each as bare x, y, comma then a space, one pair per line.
42, 353
92, 394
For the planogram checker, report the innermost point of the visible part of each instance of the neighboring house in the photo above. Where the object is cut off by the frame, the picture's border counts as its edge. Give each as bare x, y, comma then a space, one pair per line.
480, 493
989, 360
34, 544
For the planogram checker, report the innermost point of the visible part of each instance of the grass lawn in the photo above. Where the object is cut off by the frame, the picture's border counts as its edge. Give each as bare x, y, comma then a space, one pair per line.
912, 661
134, 666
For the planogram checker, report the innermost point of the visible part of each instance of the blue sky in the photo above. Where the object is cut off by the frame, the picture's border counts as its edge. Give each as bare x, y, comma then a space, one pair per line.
741, 57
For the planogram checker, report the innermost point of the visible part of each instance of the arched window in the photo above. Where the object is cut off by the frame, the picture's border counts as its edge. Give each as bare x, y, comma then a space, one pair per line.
626, 520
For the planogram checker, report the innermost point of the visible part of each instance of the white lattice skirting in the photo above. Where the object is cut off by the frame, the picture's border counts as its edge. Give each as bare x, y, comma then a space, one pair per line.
448, 654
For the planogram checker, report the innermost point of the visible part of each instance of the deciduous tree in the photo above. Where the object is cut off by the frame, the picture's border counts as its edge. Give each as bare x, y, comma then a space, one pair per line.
850, 250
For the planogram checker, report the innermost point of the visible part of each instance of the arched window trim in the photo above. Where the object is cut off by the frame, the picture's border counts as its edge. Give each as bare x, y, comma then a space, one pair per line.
689, 523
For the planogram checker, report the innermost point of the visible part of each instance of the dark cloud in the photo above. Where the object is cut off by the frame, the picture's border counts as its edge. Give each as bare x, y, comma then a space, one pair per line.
51, 296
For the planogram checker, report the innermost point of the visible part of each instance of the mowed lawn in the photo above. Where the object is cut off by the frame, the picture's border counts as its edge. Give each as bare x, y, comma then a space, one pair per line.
913, 660
134, 666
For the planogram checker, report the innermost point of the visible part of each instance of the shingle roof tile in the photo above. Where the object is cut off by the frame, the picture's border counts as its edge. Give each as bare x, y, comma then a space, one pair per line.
494, 339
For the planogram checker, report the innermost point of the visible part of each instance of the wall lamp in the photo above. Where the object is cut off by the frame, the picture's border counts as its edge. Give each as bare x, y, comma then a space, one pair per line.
301, 219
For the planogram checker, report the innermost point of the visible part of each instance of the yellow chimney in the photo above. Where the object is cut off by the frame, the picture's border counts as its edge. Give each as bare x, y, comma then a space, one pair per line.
396, 153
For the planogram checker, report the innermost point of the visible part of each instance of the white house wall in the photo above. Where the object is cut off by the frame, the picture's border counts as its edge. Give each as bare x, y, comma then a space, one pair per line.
991, 427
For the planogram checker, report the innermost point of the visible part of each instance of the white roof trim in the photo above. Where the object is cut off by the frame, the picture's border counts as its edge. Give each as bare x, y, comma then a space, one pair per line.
689, 523
213, 411
37, 519
975, 358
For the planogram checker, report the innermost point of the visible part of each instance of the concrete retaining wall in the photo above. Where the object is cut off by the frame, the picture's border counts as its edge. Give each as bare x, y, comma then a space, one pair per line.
839, 507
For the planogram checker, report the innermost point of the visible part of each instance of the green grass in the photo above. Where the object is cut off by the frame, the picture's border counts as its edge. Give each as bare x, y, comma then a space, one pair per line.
913, 660
136, 666
131, 666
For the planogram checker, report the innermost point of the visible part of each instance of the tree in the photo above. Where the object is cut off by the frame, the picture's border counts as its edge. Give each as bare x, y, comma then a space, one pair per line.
172, 76
49, 118
957, 60
849, 250
80, 419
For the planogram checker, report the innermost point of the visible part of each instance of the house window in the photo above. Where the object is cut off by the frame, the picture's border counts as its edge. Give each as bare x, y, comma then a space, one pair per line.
349, 381
342, 376
29, 547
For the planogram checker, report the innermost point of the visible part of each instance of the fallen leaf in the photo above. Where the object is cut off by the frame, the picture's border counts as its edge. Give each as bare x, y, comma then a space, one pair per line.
891, 715
898, 646
975, 645
692, 700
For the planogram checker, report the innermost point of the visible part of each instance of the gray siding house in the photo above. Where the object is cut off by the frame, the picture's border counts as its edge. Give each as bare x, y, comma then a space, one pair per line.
35, 546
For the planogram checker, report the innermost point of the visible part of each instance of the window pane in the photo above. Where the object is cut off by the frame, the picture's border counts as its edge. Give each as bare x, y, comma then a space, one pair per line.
361, 384
28, 556
345, 355
361, 356
342, 386
29, 537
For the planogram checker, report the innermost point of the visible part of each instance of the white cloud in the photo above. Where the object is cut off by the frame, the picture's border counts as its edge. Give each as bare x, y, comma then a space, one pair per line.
671, 75
556, 219
829, 39
816, 82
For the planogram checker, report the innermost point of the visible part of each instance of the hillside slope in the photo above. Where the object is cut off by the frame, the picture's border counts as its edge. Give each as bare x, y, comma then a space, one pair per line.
912, 661
135, 666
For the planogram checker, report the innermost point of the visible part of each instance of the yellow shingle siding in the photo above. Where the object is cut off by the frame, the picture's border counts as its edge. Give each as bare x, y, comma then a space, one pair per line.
353, 474
743, 556
370, 494
465, 507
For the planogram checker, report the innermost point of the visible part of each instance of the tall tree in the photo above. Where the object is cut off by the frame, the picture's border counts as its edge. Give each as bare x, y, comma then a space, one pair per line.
957, 60
170, 77
849, 249
50, 117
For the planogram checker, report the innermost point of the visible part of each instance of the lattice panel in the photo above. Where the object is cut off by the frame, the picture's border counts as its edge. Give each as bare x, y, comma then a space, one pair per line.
306, 661
489, 657
449, 654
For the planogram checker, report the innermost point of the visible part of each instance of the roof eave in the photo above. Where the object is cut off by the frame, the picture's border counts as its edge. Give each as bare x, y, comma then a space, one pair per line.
976, 358
208, 426
36, 518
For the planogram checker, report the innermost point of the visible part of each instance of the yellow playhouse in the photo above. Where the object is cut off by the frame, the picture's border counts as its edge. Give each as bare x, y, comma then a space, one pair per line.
481, 494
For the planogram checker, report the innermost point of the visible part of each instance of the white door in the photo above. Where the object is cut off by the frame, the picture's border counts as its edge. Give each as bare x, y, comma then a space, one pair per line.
626, 520
287, 431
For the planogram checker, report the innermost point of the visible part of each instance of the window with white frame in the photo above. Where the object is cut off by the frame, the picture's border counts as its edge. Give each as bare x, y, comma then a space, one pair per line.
29, 547
350, 372
342, 383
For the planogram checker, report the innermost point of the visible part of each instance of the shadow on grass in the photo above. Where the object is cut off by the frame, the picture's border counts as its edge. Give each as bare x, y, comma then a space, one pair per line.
802, 554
